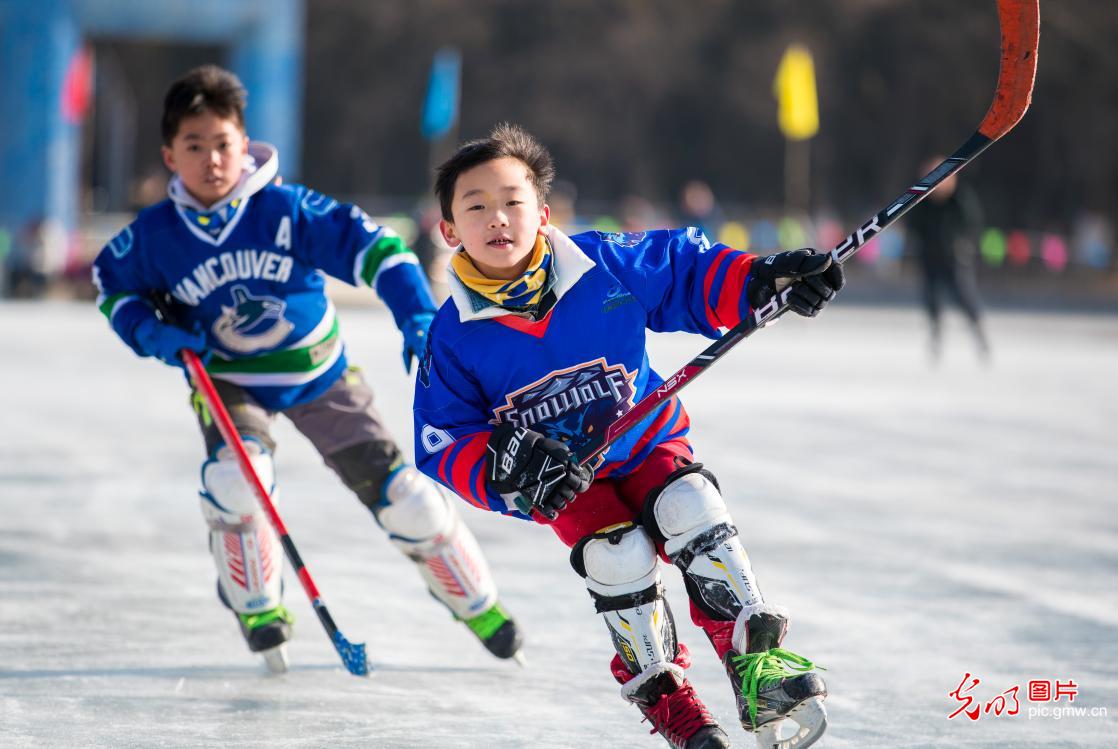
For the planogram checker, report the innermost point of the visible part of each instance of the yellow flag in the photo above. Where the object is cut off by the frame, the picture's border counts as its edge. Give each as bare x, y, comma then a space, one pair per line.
794, 87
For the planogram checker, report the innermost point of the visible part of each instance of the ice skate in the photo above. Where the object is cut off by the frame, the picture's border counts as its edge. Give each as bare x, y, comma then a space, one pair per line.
774, 687
267, 633
498, 632
668, 701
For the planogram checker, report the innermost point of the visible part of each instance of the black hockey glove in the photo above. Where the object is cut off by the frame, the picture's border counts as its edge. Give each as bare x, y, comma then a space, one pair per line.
815, 279
536, 472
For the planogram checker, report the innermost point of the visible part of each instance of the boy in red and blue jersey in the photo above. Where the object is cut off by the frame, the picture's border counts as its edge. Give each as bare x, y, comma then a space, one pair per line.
541, 346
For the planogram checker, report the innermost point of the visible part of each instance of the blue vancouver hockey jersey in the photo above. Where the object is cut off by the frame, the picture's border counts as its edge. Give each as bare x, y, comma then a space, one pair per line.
248, 272
582, 365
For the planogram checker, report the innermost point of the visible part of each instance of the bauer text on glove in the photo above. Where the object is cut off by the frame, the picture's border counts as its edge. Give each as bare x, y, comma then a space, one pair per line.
814, 279
537, 473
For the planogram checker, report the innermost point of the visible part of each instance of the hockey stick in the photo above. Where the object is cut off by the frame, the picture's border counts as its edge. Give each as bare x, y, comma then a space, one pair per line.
353, 654
1020, 30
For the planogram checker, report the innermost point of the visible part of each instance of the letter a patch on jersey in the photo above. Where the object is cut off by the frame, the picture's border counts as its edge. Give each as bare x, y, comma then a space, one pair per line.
283, 234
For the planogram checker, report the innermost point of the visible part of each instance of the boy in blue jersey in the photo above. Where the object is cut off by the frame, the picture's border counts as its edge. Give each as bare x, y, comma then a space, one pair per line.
541, 345
243, 259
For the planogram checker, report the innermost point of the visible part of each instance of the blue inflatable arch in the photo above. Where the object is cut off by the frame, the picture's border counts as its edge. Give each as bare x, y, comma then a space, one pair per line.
41, 41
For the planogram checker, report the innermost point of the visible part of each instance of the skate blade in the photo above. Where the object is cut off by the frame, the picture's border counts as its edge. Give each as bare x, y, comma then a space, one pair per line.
810, 720
276, 659
520, 659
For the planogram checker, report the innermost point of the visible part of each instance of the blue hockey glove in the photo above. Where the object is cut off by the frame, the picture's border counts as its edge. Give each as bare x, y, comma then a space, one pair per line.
164, 342
815, 279
414, 328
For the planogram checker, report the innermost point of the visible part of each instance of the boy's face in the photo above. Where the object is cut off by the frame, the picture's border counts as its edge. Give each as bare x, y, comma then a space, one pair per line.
497, 217
207, 153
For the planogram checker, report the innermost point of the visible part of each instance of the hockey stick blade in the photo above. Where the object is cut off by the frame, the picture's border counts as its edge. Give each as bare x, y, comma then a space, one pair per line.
1019, 21
353, 655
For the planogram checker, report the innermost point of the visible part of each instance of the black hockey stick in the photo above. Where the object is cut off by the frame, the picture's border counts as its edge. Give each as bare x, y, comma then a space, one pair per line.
1020, 33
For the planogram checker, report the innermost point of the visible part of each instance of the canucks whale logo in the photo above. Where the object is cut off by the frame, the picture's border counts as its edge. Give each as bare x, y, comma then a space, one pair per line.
253, 323
572, 405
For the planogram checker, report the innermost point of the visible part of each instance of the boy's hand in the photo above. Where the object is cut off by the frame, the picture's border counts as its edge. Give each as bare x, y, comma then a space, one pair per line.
815, 279
164, 341
541, 473
414, 329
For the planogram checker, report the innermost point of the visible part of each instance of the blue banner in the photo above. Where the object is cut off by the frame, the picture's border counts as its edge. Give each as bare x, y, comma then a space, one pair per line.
440, 108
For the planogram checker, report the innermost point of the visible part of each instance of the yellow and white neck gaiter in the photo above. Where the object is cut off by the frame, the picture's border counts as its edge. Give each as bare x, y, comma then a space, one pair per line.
520, 293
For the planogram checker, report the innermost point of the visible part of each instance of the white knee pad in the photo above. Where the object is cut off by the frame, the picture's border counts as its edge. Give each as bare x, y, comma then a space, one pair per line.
422, 523
245, 547
622, 572
687, 508
413, 510
619, 563
700, 538
227, 495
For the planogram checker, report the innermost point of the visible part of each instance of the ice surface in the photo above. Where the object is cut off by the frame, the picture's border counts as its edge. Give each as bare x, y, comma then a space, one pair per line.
920, 523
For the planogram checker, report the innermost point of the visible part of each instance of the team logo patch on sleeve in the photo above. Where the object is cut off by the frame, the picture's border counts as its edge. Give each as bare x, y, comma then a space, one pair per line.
121, 244
623, 238
434, 439
696, 237
317, 204
573, 404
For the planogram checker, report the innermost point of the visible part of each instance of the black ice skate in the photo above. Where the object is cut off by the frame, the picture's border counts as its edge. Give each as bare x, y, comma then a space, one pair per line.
498, 632
266, 632
771, 684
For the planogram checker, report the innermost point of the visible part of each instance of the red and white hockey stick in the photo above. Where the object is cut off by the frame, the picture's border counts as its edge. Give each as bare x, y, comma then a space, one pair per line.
352, 653
1020, 34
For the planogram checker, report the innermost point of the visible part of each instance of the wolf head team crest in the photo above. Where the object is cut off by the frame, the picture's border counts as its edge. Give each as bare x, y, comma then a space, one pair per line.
572, 405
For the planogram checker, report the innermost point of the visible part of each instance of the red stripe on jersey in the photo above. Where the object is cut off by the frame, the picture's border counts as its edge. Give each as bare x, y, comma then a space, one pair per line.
733, 286
471, 452
479, 485
712, 271
442, 466
682, 423
665, 415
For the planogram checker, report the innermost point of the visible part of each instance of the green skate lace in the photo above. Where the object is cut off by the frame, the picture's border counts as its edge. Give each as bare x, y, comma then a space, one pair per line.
279, 613
486, 624
762, 669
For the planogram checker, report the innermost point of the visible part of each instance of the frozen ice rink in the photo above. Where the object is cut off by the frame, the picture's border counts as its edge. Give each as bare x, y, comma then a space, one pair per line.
920, 524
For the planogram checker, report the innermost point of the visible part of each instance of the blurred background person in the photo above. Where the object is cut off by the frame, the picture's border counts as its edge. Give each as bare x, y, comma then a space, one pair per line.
639, 214
944, 230
697, 207
29, 267
562, 200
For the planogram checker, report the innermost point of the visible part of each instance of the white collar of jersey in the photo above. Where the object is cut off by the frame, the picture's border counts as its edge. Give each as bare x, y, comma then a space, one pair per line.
571, 264
261, 167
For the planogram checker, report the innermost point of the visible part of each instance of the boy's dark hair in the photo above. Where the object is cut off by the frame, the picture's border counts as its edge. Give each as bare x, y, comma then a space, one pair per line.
506, 140
205, 89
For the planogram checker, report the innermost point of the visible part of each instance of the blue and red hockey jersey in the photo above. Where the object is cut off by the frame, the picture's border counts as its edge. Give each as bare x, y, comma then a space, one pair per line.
248, 272
580, 367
